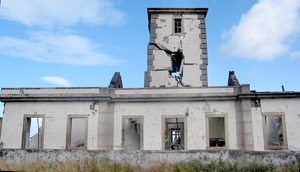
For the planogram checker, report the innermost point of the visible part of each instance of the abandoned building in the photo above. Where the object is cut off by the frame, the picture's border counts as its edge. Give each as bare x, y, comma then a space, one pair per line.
176, 109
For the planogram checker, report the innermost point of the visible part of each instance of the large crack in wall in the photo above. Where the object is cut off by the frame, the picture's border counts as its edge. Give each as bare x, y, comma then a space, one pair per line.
177, 59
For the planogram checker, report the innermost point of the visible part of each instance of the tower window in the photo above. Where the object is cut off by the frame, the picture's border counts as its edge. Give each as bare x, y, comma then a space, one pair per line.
177, 25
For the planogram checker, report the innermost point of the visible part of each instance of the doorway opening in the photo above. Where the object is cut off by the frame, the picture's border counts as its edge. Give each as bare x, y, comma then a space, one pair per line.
174, 134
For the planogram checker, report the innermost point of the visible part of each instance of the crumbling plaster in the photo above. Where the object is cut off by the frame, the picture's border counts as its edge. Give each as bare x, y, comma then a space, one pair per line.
131, 136
192, 43
105, 115
196, 130
56, 114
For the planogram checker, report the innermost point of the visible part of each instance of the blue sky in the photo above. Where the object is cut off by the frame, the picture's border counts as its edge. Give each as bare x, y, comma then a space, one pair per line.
82, 43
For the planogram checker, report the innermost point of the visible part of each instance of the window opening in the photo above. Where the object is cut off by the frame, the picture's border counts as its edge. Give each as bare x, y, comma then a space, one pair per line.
174, 134
274, 131
177, 26
33, 132
132, 134
217, 132
77, 133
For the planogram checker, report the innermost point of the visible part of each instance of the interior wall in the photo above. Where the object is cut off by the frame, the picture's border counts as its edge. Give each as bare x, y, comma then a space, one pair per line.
77, 132
274, 129
216, 127
132, 138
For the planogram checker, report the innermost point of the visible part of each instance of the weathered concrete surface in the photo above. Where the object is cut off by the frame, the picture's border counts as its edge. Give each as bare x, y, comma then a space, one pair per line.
146, 158
189, 45
289, 108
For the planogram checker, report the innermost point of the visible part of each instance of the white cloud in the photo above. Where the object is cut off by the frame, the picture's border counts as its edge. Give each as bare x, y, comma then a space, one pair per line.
263, 32
55, 48
295, 55
56, 80
61, 12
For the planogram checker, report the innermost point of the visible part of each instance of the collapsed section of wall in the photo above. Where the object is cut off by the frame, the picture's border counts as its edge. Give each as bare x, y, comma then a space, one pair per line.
177, 51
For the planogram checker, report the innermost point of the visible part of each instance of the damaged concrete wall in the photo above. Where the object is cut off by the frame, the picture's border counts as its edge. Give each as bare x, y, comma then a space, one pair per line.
291, 111
105, 117
56, 114
195, 112
190, 47
244, 116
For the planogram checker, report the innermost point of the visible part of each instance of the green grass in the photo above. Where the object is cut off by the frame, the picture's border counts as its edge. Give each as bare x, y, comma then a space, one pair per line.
106, 165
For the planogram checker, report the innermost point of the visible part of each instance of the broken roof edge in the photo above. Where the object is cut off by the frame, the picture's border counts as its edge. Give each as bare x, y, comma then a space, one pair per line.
219, 93
175, 10
132, 88
269, 95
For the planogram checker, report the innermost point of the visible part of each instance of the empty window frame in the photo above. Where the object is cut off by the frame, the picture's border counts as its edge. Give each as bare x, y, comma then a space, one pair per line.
174, 129
33, 132
178, 27
132, 132
77, 131
274, 131
216, 131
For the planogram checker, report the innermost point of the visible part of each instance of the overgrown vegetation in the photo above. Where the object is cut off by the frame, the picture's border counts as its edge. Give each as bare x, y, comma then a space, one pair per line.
107, 166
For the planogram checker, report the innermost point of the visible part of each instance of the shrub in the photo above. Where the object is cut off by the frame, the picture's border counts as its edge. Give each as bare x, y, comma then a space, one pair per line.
93, 165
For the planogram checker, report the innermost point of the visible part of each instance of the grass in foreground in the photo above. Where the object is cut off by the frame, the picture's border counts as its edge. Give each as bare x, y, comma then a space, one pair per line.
108, 166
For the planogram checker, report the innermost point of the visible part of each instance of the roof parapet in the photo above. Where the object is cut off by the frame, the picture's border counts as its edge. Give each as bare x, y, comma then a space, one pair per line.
175, 10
